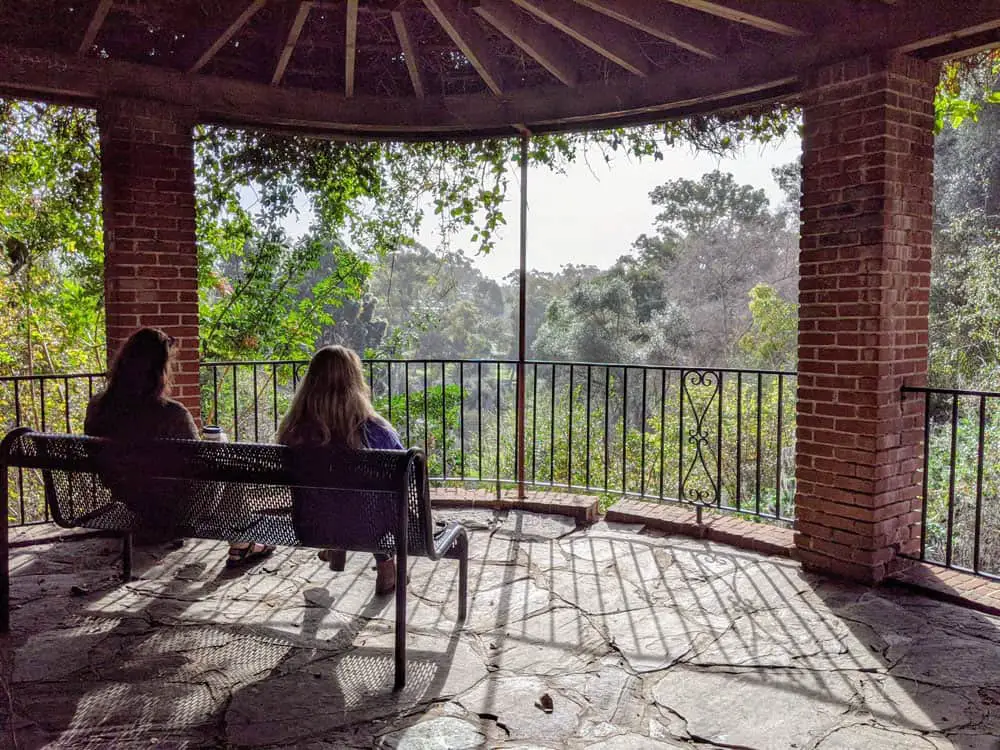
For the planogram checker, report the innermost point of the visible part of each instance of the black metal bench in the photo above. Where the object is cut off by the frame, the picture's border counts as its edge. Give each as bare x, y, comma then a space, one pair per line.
363, 501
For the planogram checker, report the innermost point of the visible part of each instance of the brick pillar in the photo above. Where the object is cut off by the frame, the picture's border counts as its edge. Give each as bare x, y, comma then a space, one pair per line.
150, 256
868, 156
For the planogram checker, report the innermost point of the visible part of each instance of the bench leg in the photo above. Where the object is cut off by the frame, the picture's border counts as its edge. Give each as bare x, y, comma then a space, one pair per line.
5, 576
400, 623
126, 557
463, 577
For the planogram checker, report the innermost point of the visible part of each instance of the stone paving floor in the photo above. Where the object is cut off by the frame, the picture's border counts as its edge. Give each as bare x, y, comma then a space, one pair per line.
607, 637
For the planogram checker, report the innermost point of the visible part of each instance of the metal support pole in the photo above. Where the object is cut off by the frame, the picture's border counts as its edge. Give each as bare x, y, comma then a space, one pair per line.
521, 322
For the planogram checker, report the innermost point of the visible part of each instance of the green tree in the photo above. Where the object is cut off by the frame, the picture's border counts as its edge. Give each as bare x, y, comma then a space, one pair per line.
771, 343
50, 238
967, 85
593, 323
964, 304
681, 298
440, 305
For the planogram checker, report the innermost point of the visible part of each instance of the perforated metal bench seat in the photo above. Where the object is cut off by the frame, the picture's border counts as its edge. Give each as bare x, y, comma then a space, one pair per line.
363, 501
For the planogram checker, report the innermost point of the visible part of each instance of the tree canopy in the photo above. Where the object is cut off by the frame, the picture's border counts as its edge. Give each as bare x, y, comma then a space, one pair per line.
261, 295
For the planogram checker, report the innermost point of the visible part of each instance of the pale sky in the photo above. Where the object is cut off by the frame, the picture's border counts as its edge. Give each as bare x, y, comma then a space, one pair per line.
593, 212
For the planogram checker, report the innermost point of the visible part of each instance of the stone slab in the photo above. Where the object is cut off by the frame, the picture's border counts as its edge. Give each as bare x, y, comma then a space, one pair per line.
639, 638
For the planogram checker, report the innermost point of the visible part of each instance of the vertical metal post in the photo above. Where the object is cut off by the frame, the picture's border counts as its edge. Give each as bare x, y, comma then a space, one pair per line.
256, 406
952, 457
236, 404
927, 466
444, 421
977, 542
5, 549
522, 304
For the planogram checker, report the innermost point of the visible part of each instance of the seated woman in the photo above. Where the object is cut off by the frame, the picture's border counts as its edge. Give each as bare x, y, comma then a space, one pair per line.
332, 406
135, 406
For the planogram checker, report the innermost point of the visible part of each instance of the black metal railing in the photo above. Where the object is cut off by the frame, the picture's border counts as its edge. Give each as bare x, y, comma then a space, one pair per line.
50, 403
719, 438
961, 479
713, 437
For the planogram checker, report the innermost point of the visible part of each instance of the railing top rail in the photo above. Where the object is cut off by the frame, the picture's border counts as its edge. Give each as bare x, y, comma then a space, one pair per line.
388, 360
672, 368
50, 376
544, 362
949, 391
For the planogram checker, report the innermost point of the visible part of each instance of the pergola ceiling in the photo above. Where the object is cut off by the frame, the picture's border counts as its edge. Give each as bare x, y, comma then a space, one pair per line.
424, 68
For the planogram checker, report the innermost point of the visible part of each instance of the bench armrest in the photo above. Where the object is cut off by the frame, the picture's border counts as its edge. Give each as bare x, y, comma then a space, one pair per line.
452, 539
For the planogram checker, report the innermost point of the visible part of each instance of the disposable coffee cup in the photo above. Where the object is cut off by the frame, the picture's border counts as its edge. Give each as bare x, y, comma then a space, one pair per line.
213, 433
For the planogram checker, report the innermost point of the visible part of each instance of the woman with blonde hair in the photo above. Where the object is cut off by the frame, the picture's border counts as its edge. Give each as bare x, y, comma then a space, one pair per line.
333, 407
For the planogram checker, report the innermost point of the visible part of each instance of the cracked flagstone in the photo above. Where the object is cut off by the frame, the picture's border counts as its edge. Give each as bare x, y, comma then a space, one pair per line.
609, 637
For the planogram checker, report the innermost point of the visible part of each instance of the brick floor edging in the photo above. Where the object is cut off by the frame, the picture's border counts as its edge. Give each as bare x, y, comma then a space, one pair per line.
954, 586
582, 508
736, 532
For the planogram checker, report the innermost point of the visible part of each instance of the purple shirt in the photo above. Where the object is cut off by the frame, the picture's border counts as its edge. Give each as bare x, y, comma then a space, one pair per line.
379, 435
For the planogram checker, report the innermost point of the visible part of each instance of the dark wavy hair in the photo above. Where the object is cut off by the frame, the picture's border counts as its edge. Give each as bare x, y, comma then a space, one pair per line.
142, 368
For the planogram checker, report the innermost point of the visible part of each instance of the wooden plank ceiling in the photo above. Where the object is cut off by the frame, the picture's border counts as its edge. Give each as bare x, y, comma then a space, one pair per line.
459, 67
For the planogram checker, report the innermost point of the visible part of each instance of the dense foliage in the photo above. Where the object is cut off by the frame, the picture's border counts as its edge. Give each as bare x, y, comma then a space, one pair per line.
263, 294
965, 294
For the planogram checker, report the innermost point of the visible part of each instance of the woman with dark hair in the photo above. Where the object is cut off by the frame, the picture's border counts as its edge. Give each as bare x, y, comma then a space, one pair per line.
135, 406
332, 406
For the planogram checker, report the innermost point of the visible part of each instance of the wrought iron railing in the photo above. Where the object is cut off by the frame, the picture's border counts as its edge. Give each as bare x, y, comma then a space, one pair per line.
50, 403
961, 479
713, 437
720, 438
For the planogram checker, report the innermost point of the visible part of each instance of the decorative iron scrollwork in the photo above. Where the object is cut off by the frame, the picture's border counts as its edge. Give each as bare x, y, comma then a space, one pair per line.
701, 392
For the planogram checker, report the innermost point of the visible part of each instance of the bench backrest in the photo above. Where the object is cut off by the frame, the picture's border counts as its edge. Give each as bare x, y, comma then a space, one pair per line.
270, 493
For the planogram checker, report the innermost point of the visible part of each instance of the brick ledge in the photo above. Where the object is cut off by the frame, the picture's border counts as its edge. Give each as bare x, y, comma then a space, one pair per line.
582, 508
964, 589
736, 532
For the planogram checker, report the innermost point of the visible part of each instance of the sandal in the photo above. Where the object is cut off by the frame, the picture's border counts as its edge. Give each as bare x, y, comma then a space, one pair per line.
253, 552
385, 580
337, 558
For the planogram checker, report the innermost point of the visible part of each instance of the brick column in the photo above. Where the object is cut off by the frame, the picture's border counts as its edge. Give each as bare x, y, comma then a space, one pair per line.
868, 153
150, 256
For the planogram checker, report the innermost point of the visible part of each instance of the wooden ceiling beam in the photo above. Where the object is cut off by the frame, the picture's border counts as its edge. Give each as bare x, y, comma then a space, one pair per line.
350, 47
409, 52
766, 15
971, 44
958, 44
94, 27
461, 26
228, 33
293, 38
542, 45
241, 103
687, 30
590, 29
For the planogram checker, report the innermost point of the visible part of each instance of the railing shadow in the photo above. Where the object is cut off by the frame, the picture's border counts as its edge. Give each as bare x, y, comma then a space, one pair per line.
732, 645
897, 666
720, 645
165, 656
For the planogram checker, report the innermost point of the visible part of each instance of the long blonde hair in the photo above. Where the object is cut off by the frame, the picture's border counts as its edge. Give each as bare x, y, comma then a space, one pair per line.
332, 402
